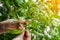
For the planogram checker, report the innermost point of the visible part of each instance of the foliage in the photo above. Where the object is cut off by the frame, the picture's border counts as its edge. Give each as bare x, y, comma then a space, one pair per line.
44, 17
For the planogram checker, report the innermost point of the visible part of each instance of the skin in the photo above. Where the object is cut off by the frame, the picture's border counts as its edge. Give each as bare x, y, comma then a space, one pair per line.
24, 36
8, 25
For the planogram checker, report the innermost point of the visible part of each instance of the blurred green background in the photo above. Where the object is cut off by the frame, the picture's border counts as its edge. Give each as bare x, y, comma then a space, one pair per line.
43, 14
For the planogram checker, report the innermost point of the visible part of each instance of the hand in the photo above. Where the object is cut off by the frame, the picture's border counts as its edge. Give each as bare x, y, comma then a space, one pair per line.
9, 25
24, 36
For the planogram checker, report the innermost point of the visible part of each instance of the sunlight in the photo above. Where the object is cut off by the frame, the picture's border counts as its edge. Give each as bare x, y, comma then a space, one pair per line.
58, 6
59, 13
26, 0
34, 0
1, 4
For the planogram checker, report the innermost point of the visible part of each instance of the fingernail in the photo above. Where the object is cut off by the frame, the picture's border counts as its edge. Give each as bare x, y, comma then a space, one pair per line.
20, 28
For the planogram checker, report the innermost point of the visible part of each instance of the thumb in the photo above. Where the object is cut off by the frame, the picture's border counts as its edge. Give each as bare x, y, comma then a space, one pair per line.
19, 37
27, 35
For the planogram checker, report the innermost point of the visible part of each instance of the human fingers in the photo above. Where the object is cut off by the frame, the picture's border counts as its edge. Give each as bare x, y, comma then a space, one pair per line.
9, 25
19, 37
27, 35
